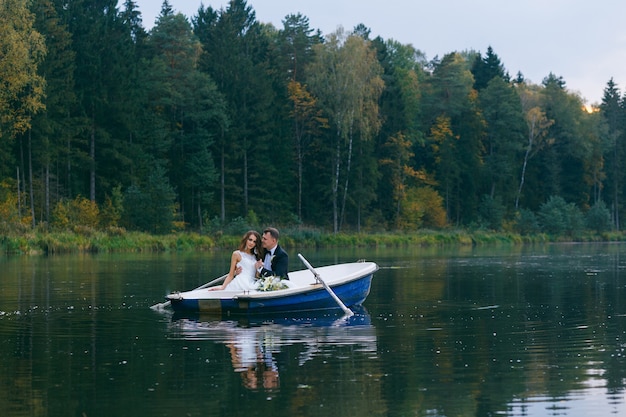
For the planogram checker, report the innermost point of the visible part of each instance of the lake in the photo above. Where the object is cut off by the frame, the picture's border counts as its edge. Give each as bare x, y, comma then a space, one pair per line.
516, 331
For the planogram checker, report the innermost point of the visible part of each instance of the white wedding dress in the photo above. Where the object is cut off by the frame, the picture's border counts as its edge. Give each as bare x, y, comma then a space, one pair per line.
246, 280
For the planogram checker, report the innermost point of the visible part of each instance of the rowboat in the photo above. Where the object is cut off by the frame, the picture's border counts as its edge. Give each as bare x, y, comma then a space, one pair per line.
322, 288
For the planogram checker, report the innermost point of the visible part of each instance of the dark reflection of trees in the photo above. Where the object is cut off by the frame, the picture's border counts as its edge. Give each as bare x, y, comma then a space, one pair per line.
69, 342
487, 331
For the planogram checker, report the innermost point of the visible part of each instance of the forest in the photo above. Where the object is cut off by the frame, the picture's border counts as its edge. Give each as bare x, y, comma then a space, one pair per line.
206, 120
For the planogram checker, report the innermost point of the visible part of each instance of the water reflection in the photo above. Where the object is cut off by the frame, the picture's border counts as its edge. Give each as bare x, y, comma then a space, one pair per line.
256, 342
523, 331
539, 332
253, 359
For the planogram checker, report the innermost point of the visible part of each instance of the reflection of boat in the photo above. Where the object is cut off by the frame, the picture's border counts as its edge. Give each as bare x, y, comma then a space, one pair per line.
334, 318
351, 282
254, 345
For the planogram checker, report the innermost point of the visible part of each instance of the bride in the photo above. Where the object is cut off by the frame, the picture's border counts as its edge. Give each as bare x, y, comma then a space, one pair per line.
245, 257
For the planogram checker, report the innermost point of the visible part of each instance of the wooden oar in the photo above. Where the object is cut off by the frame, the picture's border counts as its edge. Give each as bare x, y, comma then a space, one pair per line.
345, 309
160, 306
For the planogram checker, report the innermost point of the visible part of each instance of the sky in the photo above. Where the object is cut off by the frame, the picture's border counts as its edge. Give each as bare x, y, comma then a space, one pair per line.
582, 41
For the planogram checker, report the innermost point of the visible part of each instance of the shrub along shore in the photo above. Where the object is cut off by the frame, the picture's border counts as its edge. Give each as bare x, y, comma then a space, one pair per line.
119, 240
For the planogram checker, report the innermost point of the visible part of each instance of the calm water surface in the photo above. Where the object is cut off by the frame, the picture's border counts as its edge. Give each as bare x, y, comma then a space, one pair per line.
533, 331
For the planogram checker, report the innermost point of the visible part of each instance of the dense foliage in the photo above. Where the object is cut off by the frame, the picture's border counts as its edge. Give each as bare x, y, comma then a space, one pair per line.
200, 122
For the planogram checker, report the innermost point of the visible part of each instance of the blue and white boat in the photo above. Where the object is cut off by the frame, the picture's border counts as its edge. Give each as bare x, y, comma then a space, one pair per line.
309, 290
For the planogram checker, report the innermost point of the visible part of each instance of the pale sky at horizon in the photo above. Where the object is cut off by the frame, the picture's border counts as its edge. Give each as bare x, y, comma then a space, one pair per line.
584, 42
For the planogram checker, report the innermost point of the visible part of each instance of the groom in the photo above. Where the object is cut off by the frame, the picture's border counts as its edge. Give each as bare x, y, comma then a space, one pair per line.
276, 260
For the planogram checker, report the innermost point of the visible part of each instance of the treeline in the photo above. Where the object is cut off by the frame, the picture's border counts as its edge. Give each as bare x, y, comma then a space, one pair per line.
200, 122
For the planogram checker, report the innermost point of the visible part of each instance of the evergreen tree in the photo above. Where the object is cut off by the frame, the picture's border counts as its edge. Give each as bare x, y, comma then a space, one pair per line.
54, 128
504, 138
613, 111
291, 53
308, 123
235, 56
191, 109
456, 136
151, 207
594, 132
400, 136
485, 69
295, 46
100, 43
565, 161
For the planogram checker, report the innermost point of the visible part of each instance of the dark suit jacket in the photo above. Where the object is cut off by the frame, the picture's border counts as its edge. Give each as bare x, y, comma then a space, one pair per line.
280, 264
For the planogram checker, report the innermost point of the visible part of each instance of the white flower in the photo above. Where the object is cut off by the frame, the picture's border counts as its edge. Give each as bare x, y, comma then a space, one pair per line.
271, 283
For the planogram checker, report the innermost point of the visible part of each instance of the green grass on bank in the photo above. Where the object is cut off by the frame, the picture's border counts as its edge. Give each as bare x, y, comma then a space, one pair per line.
120, 240
103, 242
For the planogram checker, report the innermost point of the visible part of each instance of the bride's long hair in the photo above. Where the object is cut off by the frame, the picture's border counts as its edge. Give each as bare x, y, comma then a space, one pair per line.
258, 250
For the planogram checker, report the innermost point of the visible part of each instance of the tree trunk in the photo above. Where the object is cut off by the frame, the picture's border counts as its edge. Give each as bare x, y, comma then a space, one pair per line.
222, 181
30, 179
616, 205
19, 196
617, 170
300, 183
92, 156
521, 182
69, 168
526, 158
200, 217
47, 193
345, 188
246, 200
336, 186
299, 158
22, 172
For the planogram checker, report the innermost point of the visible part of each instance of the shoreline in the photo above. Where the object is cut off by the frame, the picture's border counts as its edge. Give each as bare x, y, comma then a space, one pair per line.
121, 241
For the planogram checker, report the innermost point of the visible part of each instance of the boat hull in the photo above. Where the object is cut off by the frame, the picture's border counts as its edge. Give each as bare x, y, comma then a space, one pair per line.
306, 296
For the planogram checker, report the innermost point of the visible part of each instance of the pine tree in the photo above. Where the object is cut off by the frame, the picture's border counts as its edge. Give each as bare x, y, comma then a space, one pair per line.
487, 68
614, 112
53, 129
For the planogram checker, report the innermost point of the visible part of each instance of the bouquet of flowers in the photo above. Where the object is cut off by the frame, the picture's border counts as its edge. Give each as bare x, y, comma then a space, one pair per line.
271, 283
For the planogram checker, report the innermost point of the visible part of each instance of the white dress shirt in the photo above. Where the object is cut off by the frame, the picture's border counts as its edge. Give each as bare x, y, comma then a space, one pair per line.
267, 262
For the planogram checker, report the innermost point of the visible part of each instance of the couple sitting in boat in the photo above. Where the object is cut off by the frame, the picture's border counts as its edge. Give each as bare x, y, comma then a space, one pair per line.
259, 264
